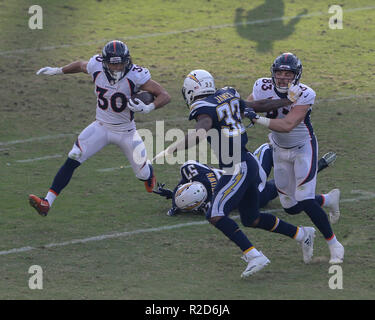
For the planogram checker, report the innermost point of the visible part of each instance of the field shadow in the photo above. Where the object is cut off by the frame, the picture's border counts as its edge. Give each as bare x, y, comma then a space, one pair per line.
264, 24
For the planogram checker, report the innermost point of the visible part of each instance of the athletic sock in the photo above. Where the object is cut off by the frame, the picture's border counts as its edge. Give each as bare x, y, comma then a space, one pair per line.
318, 216
230, 228
273, 224
64, 175
51, 197
332, 241
321, 199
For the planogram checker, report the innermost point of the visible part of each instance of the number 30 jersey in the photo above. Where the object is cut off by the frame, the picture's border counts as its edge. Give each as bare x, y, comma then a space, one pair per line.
264, 89
111, 107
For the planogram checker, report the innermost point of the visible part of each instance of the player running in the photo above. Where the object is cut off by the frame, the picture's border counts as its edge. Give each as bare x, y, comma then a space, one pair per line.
116, 80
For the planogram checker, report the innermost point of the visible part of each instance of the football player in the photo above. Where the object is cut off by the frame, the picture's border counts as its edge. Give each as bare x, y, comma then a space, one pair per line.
116, 79
294, 145
194, 171
219, 111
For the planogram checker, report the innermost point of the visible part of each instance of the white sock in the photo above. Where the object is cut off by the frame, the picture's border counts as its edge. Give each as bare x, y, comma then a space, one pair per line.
300, 234
327, 200
50, 197
252, 253
332, 241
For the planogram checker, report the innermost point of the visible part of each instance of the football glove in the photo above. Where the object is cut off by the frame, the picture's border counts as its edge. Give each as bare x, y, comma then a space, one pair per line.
250, 114
173, 211
50, 71
294, 92
161, 191
137, 105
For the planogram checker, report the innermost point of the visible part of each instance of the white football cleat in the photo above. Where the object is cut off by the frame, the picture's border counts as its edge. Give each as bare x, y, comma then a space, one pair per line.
307, 243
254, 264
334, 208
337, 253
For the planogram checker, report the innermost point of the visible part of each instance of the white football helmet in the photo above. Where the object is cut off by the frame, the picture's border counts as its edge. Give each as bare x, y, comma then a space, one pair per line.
197, 83
190, 196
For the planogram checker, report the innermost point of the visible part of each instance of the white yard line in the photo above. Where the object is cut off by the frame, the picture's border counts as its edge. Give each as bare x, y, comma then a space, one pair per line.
40, 158
176, 32
363, 195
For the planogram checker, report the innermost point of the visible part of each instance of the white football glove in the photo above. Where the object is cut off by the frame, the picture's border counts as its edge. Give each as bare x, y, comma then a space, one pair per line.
137, 105
50, 71
294, 92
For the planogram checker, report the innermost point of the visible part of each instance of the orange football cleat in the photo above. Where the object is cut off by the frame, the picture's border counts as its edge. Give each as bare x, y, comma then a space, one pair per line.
41, 205
150, 183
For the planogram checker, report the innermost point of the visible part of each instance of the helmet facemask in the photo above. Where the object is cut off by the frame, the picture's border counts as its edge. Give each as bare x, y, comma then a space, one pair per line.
285, 80
116, 60
286, 62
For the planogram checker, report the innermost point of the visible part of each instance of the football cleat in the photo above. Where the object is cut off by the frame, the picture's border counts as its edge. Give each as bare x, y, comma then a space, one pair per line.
334, 208
337, 253
151, 182
41, 205
254, 264
328, 159
307, 243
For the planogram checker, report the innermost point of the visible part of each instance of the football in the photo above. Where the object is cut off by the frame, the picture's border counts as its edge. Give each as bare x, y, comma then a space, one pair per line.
144, 96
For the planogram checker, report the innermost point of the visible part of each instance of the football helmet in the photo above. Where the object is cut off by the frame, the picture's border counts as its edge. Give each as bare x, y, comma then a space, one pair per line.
190, 196
197, 83
116, 52
289, 62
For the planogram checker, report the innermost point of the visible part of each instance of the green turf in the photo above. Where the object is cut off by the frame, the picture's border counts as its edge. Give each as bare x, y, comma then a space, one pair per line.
236, 42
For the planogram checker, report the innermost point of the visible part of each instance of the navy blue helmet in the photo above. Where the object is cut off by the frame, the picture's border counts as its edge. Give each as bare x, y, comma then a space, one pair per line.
289, 62
116, 52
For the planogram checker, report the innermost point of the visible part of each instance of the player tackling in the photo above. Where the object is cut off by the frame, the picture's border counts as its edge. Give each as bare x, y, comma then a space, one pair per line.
116, 80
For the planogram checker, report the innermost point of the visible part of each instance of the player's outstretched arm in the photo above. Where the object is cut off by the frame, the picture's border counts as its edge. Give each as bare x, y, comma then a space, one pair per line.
266, 105
204, 123
74, 67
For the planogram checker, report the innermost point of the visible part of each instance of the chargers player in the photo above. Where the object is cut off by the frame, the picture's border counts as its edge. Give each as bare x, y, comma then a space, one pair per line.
116, 79
194, 171
294, 144
219, 111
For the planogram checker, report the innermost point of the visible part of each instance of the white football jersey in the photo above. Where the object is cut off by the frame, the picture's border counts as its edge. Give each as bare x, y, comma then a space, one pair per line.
264, 89
111, 107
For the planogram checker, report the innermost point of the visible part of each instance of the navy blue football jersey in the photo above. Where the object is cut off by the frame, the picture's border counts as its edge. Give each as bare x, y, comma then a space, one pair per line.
195, 171
224, 108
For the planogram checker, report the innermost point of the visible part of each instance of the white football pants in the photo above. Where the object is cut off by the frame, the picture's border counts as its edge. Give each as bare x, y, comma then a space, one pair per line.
97, 135
295, 172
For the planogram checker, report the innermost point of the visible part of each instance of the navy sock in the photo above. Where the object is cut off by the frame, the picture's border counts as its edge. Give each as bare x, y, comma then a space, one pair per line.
64, 175
318, 217
319, 198
230, 228
271, 223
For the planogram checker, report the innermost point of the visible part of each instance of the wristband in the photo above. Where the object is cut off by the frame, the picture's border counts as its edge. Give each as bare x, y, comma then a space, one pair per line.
264, 121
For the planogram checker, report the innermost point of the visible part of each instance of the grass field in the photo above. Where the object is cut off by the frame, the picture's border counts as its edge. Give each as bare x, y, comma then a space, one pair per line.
127, 248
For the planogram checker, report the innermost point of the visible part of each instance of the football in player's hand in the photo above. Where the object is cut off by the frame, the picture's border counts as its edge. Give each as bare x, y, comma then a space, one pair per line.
145, 96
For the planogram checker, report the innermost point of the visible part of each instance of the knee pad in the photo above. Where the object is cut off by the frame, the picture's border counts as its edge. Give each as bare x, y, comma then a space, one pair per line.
145, 172
75, 153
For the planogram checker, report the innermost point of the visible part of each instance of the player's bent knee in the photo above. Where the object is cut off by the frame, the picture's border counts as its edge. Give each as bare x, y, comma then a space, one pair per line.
75, 153
144, 173
214, 220
296, 209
